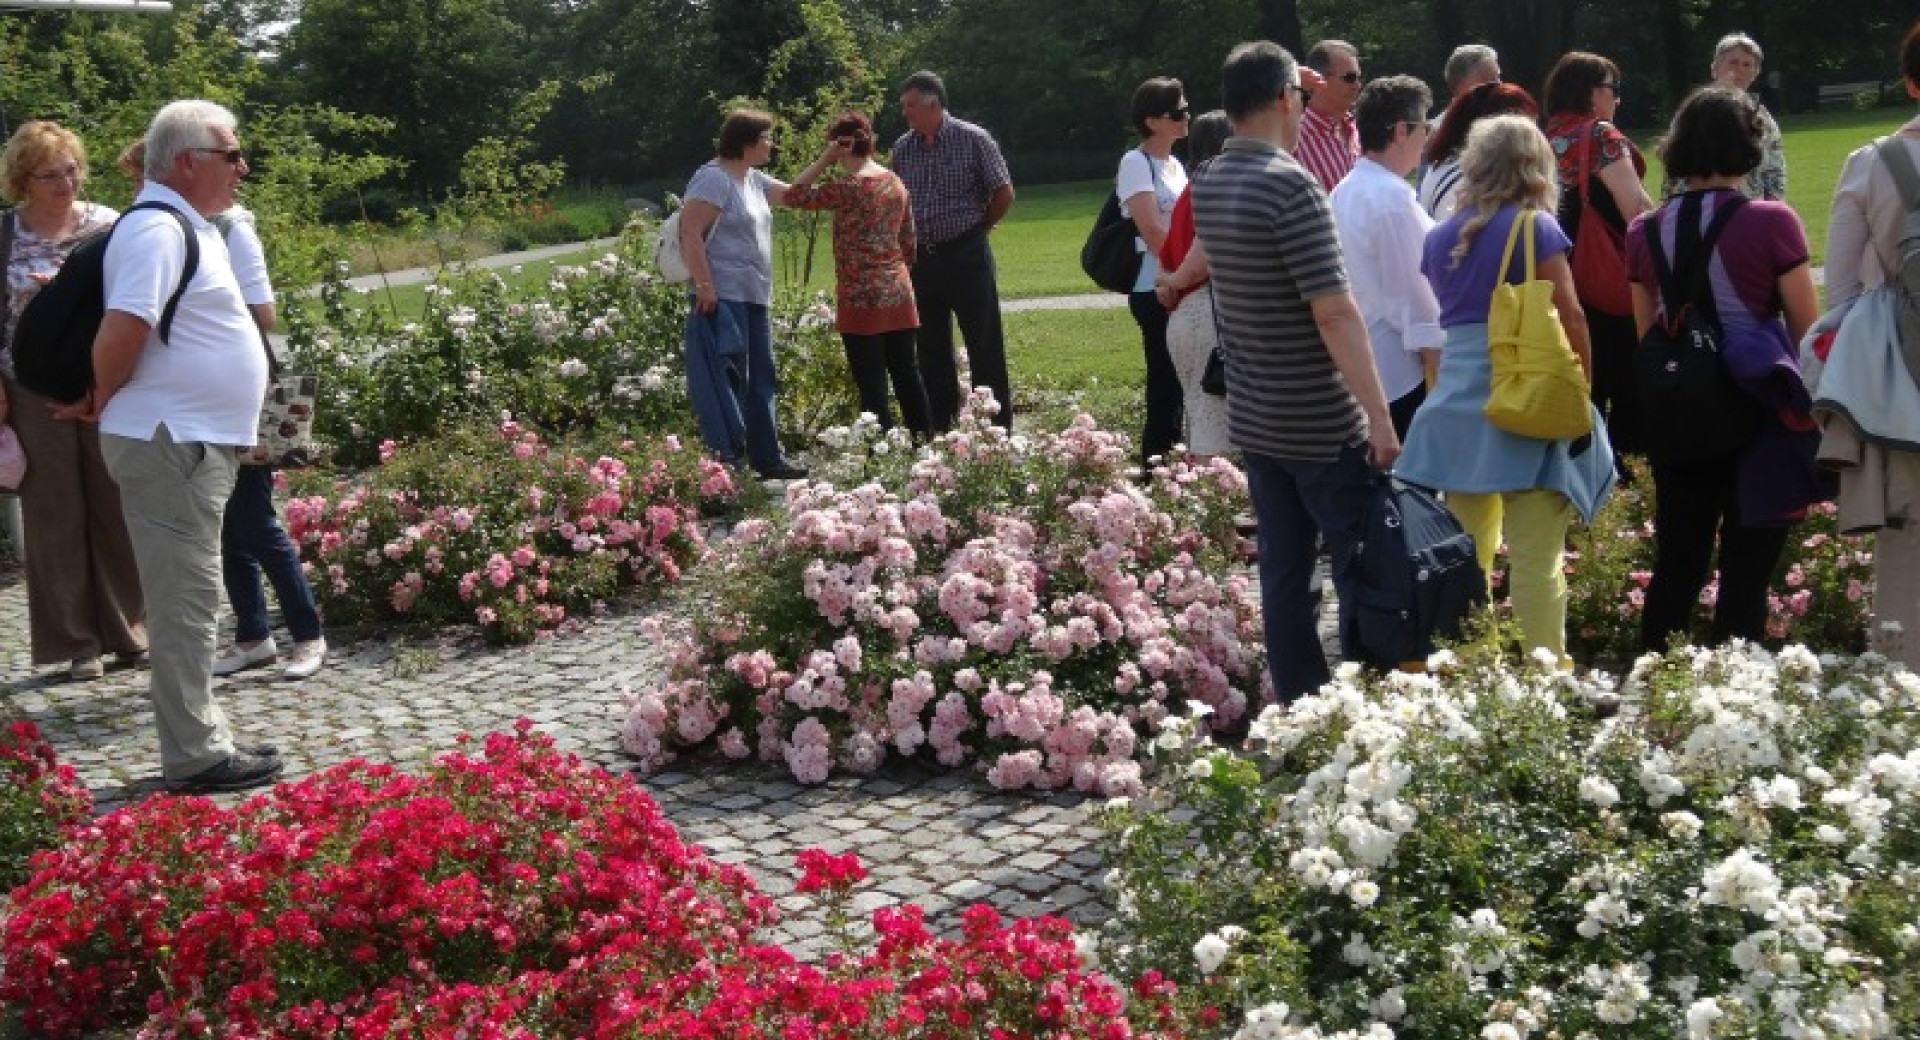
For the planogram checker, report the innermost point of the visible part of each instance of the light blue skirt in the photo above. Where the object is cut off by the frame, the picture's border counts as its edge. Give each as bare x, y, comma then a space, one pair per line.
1452, 447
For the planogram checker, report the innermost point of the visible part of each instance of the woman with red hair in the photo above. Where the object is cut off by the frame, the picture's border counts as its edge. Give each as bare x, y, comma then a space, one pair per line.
1440, 180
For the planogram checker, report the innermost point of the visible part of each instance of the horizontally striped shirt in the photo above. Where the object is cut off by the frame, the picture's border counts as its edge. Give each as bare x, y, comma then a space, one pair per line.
1271, 247
1328, 147
950, 179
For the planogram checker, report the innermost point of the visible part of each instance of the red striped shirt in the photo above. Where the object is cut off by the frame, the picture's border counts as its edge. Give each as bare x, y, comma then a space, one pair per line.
1328, 148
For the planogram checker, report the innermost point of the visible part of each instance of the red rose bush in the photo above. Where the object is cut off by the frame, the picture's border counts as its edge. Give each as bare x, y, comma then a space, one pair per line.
40, 798
1017, 603
510, 891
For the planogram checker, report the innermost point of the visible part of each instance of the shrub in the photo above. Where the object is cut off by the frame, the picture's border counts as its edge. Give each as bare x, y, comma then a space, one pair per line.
510, 891
1015, 601
40, 798
502, 529
598, 348
1475, 854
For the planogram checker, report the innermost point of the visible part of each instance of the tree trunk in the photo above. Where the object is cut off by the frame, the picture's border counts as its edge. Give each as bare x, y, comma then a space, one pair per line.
1280, 22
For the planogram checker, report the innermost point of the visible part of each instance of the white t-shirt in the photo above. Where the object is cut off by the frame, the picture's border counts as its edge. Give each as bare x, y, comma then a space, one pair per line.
249, 256
1166, 179
206, 382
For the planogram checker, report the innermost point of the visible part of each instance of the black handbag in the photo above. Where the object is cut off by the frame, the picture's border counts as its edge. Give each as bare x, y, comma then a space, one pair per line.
1213, 379
1109, 256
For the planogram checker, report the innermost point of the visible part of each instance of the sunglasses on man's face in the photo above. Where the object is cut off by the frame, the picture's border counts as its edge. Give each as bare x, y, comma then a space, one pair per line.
1349, 77
233, 156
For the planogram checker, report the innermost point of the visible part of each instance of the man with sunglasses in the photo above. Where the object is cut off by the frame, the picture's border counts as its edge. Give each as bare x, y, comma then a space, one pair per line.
1329, 139
171, 412
1304, 404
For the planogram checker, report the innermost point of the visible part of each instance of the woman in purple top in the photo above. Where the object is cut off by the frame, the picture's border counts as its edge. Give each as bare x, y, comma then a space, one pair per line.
1762, 291
1501, 485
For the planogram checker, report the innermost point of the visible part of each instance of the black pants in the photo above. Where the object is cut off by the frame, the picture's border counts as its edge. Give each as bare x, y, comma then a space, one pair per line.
1615, 391
872, 359
955, 281
1693, 504
1164, 405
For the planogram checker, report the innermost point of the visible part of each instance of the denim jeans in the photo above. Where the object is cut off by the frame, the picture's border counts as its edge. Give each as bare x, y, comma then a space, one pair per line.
252, 541
731, 382
1296, 503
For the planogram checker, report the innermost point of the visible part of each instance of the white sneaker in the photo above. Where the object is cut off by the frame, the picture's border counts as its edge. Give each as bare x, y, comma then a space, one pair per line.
239, 660
305, 659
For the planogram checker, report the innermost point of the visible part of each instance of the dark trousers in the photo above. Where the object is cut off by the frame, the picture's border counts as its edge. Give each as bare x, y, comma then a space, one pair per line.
872, 359
1402, 410
1692, 504
1296, 503
1615, 392
1164, 405
252, 541
955, 281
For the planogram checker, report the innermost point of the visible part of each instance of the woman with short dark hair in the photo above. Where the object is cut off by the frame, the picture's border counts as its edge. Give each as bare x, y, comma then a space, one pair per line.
1879, 481
1181, 286
873, 239
1149, 183
1761, 291
726, 236
1599, 166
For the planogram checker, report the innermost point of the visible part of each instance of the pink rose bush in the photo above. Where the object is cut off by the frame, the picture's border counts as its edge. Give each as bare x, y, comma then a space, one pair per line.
504, 529
1014, 603
40, 799
1820, 596
509, 892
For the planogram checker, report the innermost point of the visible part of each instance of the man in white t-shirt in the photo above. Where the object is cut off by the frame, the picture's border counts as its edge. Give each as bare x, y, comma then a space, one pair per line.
170, 413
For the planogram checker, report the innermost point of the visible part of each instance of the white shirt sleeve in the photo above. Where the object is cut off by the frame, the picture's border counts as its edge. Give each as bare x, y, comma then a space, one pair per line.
1135, 177
1401, 238
249, 262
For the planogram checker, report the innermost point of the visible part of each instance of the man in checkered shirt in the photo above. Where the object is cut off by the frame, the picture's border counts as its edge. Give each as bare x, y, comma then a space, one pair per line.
960, 188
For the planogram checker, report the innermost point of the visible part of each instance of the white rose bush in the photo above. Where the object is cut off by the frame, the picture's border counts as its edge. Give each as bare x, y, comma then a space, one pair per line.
1477, 852
1016, 604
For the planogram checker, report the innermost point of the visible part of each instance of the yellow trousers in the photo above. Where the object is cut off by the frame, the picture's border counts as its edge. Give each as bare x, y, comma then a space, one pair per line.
1534, 524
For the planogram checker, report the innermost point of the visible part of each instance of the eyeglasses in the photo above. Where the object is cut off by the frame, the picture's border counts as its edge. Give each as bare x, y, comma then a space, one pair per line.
70, 173
1179, 113
1610, 84
1349, 77
1305, 94
233, 156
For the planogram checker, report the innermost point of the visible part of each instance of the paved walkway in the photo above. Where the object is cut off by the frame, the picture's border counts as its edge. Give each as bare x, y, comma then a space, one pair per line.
942, 840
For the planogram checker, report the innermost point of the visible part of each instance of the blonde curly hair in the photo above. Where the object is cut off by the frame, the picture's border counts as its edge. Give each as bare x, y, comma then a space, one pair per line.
39, 142
1507, 161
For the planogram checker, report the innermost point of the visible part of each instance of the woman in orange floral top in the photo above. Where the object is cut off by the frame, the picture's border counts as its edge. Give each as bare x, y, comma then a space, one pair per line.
872, 239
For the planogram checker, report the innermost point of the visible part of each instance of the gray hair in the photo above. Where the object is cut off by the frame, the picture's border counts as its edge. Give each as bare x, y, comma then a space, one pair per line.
1464, 60
180, 127
1737, 41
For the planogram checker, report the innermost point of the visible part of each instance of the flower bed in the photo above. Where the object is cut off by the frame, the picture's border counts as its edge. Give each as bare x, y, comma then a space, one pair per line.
1821, 591
1475, 854
598, 347
503, 529
512, 893
40, 798
1012, 601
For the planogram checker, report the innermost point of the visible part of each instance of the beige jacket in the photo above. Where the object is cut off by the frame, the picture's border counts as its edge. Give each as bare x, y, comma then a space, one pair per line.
1877, 486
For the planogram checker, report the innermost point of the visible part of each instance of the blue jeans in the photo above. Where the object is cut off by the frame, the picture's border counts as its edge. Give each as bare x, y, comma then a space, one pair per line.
1296, 503
731, 382
251, 541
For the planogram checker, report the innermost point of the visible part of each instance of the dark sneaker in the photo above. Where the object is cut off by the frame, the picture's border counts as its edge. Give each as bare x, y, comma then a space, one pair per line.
782, 471
239, 772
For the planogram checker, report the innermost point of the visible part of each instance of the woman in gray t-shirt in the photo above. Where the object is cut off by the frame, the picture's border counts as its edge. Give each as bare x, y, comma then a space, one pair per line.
726, 235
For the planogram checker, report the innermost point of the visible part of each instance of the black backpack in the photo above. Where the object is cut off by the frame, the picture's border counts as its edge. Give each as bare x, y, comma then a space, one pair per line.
53, 344
1691, 410
1416, 578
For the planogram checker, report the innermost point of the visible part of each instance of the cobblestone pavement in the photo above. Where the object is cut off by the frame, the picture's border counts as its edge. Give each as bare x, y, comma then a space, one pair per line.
943, 840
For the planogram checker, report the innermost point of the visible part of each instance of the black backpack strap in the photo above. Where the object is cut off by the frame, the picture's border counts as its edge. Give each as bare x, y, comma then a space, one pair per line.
186, 273
1694, 251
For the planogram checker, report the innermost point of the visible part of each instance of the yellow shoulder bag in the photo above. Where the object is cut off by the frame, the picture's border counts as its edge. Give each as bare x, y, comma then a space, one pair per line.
1538, 387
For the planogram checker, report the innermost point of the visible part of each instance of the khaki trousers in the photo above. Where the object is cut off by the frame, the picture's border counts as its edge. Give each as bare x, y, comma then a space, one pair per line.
83, 591
174, 495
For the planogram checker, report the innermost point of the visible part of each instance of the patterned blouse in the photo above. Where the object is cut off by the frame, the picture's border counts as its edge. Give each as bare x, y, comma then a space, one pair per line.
872, 239
1765, 182
35, 259
1566, 132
